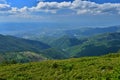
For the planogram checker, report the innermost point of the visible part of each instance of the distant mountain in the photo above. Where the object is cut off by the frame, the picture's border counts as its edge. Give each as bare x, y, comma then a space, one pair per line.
54, 53
21, 50
87, 32
10, 44
97, 45
48, 35
24, 50
65, 42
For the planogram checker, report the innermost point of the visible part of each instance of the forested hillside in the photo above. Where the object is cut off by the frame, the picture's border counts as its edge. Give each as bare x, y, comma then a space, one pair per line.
12, 44
24, 50
97, 45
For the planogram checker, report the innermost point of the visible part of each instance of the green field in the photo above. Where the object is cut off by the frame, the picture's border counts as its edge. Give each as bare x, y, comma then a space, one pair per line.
87, 68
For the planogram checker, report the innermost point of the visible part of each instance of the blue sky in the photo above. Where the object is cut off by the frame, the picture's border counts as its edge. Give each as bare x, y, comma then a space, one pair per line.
106, 1
77, 12
30, 3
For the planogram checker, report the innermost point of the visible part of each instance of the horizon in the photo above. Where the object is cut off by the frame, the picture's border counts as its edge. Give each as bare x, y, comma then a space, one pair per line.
52, 24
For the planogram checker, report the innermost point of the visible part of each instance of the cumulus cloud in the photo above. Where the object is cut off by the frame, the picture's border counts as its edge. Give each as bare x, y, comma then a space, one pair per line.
79, 6
50, 6
82, 7
4, 7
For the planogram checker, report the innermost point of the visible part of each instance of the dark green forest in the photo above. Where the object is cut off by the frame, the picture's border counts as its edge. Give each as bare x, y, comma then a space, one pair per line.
14, 48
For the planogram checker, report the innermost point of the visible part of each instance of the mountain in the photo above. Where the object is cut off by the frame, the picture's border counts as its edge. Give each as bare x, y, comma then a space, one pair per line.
87, 32
54, 53
24, 50
87, 68
90, 46
21, 50
69, 45
13, 44
66, 42
48, 33
97, 45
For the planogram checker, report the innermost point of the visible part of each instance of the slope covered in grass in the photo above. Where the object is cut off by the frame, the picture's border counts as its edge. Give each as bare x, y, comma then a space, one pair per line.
86, 68
21, 57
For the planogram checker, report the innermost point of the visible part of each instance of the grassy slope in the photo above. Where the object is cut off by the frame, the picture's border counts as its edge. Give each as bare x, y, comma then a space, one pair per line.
21, 56
86, 68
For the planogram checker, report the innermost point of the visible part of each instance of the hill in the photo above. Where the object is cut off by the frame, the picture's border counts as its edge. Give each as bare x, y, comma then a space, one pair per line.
54, 53
24, 50
21, 57
87, 32
47, 35
97, 45
21, 50
65, 42
87, 68
91, 46
61, 48
13, 44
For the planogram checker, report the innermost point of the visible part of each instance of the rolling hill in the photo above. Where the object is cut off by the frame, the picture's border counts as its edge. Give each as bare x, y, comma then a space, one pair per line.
47, 35
97, 45
87, 68
13, 44
65, 42
21, 50
88, 32
24, 50
21, 57
61, 48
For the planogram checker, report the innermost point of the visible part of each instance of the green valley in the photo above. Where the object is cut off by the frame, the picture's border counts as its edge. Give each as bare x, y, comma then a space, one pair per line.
24, 50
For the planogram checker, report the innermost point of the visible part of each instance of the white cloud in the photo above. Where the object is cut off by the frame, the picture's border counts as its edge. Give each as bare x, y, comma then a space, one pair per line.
50, 6
4, 7
79, 6
94, 8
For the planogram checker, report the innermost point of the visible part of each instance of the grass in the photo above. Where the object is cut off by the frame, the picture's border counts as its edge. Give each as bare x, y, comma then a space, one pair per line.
87, 68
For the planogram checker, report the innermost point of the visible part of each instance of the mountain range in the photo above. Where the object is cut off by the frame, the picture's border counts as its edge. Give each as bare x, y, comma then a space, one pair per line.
59, 44
23, 50
51, 54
